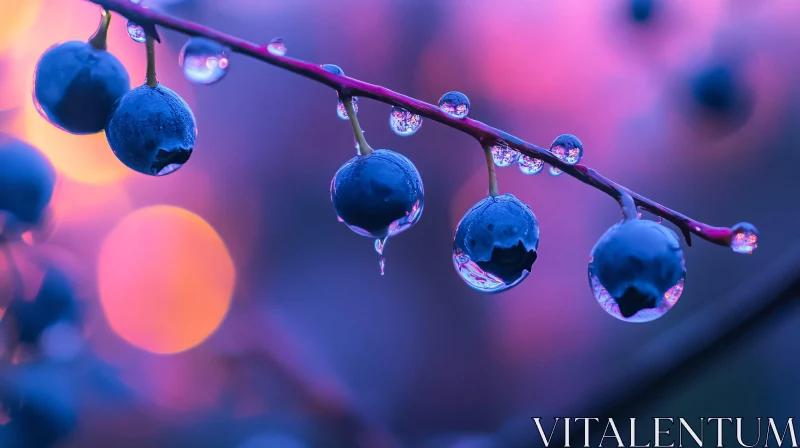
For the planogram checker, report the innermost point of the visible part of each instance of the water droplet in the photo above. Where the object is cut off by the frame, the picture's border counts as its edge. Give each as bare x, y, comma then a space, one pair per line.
277, 47
341, 111
476, 278
136, 32
639, 212
204, 61
646, 315
560, 152
555, 171
382, 264
380, 244
660, 220
744, 239
335, 69
529, 165
504, 156
455, 104
568, 148
403, 122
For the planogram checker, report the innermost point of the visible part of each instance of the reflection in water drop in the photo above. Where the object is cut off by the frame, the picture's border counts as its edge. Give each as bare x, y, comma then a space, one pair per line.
136, 32
504, 156
744, 238
341, 111
455, 104
476, 278
277, 47
530, 166
382, 263
380, 244
646, 315
403, 122
204, 61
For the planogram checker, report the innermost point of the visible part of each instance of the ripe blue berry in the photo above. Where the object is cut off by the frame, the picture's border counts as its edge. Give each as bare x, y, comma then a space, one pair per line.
495, 243
636, 270
152, 130
642, 11
720, 93
379, 194
27, 180
76, 85
55, 302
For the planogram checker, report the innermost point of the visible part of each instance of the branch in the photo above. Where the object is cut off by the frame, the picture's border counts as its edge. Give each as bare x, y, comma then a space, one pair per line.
348, 87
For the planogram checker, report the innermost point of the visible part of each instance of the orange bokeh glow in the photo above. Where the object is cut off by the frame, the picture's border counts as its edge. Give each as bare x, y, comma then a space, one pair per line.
165, 279
16, 18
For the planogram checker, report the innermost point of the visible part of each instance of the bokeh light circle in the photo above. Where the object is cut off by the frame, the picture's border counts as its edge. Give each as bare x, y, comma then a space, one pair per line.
165, 279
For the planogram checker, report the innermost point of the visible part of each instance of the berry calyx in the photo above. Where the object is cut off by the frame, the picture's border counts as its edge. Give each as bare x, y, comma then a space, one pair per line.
637, 270
495, 243
379, 194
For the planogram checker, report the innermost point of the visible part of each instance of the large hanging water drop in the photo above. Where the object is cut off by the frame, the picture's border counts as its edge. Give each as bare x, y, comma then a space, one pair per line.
204, 61
380, 244
136, 32
277, 47
744, 239
341, 111
530, 165
455, 104
504, 156
645, 315
476, 277
403, 122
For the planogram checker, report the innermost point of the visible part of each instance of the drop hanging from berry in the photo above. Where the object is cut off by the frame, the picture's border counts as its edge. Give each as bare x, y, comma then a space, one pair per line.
77, 83
377, 193
152, 129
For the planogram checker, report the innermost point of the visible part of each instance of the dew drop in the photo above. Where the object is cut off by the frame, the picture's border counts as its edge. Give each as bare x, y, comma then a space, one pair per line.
646, 315
504, 156
744, 239
277, 47
403, 122
380, 244
204, 61
476, 278
455, 104
341, 111
335, 69
529, 165
136, 32
560, 152
382, 264
555, 171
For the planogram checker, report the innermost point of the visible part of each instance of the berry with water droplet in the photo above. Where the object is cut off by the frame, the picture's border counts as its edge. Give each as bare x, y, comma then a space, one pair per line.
379, 194
529, 165
204, 61
75, 86
637, 271
152, 130
136, 32
341, 111
403, 122
277, 47
27, 180
335, 69
455, 104
495, 243
504, 156
744, 238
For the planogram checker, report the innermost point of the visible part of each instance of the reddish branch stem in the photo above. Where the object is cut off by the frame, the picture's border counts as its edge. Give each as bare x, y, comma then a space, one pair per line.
348, 87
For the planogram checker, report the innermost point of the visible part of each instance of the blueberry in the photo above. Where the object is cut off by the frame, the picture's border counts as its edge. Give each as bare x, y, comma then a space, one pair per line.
495, 243
637, 269
379, 194
642, 11
76, 85
152, 130
719, 92
27, 180
55, 302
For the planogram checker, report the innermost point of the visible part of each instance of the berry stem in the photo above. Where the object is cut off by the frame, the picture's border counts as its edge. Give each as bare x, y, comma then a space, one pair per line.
363, 147
99, 39
347, 86
151, 80
626, 202
493, 191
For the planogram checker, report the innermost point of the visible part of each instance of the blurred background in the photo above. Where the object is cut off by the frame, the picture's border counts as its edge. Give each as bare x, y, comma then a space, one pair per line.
225, 306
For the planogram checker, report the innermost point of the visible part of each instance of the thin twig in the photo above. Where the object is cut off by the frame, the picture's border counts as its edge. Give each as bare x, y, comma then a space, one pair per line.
348, 87
152, 79
493, 190
363, 147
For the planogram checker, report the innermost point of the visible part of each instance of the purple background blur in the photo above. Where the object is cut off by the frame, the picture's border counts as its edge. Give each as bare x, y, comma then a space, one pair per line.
316, 345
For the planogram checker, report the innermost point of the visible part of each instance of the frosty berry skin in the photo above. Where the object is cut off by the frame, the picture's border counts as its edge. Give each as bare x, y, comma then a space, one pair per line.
495, 243
77, 83
379, 194
27, 180
152, 130
637, 270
